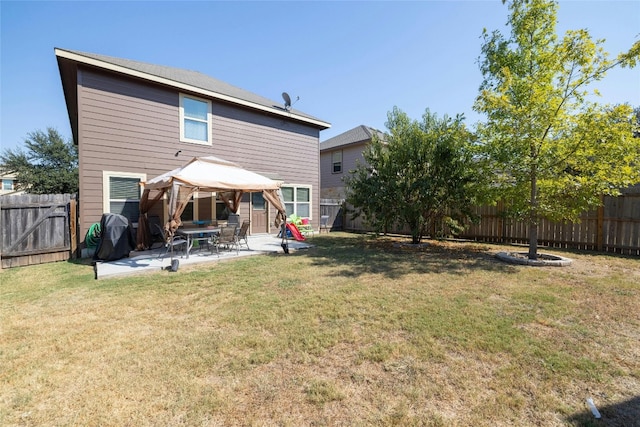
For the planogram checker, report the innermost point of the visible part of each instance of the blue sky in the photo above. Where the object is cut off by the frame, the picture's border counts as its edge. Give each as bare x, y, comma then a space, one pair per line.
349, 62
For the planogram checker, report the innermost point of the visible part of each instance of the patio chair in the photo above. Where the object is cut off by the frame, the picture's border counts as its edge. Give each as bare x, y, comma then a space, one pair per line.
227, 238
176, 242
324, 223
155, 229
242, 233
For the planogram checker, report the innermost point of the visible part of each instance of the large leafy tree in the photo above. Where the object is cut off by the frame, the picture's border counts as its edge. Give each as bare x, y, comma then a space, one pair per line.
421, 174
554, 151
48, 166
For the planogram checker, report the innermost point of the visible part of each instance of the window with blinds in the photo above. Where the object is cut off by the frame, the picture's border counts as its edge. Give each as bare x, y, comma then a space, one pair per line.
124, 197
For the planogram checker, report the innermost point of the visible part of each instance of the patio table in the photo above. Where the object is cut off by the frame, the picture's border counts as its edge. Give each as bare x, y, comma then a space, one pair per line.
197, 234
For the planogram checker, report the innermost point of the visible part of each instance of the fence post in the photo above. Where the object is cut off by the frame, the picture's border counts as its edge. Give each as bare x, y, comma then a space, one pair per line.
600, 226
73, 228
501, 224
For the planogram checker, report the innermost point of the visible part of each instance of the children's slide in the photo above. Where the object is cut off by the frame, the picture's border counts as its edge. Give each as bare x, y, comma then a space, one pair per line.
295, 232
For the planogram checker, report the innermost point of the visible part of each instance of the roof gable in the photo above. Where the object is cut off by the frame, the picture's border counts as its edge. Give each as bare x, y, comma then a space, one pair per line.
193, 81
358, 134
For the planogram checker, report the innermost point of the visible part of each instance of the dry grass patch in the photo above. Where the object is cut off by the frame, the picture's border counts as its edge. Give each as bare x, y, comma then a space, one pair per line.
354, 332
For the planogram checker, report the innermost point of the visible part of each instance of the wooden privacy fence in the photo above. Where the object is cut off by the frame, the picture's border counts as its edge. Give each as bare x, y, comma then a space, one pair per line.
37, 228
614, 227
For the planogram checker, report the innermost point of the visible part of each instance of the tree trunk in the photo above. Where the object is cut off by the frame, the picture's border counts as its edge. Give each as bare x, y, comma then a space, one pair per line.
533, 240
533, 214
416, 235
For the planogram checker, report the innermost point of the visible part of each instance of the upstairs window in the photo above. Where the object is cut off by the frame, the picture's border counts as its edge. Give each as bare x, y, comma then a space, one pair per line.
195, 120
336, 162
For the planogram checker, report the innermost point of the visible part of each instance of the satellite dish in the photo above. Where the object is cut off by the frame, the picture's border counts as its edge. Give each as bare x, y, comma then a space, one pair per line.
287, 100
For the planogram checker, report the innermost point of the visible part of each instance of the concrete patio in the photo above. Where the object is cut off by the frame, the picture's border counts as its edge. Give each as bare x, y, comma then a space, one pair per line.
148, 261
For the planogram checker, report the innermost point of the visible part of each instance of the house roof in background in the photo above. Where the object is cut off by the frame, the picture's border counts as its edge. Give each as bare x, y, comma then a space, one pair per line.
358, 134
192, 81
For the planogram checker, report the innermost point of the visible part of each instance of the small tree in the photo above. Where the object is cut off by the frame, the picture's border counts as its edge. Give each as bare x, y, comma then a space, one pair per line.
49, 166
422, 174
554, 152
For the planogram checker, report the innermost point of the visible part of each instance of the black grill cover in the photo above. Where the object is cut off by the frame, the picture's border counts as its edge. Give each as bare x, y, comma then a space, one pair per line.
117, 239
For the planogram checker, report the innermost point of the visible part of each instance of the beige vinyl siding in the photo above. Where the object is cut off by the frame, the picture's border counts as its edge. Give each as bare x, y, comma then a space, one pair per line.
131, 126
265, 148
120, 124
332, 185
352, 154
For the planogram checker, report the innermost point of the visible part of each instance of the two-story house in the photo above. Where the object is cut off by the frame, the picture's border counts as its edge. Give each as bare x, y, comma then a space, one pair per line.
133, 121
339, 155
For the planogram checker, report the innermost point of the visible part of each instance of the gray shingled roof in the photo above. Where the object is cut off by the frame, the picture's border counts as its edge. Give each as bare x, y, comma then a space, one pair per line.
192, 78
353, 136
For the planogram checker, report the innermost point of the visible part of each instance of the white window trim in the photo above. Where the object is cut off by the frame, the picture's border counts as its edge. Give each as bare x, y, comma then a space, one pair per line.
209, 121
106, 186
295, 198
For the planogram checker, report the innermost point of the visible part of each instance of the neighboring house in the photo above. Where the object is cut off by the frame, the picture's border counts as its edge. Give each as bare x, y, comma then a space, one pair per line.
9, 185
339, 155
133, 121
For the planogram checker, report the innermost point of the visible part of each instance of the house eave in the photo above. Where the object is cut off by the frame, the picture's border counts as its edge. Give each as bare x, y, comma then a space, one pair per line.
343, 145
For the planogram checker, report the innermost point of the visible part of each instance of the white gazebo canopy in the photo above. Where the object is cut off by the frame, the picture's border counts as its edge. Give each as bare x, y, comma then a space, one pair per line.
213, 174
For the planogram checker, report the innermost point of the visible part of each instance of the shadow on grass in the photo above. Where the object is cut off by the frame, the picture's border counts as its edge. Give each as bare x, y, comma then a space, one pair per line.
624, 414
358, 254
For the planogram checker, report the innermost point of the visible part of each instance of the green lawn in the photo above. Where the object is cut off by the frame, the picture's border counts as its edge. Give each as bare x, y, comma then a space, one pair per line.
353, 332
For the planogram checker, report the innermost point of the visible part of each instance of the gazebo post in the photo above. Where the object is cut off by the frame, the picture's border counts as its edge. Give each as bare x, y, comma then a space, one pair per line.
285, 240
